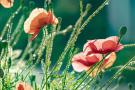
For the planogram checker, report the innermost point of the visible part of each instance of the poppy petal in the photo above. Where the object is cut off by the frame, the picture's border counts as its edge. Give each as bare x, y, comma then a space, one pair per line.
6, 3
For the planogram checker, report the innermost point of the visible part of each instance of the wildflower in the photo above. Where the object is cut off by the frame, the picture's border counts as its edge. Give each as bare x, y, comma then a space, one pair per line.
103, 46
6, 3
37, 19
82, 62
23, 86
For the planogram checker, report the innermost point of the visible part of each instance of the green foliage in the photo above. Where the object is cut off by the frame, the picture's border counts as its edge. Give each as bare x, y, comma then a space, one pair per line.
20, 65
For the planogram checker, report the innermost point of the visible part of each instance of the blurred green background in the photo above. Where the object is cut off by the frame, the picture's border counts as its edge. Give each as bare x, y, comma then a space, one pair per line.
107, 23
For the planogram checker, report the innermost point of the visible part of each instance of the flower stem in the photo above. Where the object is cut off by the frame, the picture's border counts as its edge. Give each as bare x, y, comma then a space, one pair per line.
117, 74
70, 43
9, 21
129, 45
94, 14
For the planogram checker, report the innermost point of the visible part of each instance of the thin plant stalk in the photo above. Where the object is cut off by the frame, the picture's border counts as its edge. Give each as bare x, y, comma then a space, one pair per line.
9, 21
116, 75
69, 44
71, 53
18, 28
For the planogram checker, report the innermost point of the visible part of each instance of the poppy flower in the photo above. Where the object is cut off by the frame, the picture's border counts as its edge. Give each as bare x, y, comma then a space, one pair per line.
6, 3
82, 62
23, 86
37, 19
103, 46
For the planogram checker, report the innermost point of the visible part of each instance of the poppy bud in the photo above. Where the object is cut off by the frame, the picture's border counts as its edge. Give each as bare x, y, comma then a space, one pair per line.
123, 31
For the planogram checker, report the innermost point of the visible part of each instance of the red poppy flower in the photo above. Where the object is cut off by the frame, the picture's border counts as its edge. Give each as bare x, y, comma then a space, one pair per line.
102, 46
23, 86
82, 62
6, 3
37, 19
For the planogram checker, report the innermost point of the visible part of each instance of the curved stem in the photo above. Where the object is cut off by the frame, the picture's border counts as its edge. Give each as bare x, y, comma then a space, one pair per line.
129, 45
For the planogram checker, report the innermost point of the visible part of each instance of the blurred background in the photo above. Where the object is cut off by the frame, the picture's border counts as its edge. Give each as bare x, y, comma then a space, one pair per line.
107, 23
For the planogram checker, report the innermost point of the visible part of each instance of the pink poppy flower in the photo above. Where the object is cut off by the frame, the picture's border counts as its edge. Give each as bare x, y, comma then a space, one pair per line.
102, 46
6, 3
37, 19
23, 86
82, 62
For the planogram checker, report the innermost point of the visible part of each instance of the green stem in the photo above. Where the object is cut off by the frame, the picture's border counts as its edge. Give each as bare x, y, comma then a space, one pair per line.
94, 14
48, 57
9, 21
30, 69
81, 7
49, 47
17, 39
116, 74
18, 28
129, 45
26, 50
65, 72
70, 43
